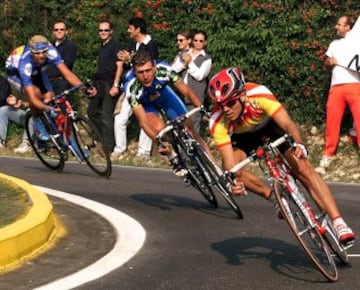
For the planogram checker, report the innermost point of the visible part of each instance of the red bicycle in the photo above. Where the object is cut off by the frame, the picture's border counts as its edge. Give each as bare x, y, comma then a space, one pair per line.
68, 131
311, 226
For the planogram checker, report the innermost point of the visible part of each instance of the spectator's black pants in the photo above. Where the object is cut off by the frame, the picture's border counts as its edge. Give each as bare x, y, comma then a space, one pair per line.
100, 112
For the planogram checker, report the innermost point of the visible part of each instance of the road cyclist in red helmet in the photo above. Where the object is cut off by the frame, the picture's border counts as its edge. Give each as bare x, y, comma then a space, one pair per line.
243, 115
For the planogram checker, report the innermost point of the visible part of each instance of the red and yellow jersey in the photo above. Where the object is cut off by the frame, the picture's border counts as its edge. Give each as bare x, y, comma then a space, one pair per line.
259, 106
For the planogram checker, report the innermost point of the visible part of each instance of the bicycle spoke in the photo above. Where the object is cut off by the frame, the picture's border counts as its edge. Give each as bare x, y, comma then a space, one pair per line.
309, 237
91, 147
47, 151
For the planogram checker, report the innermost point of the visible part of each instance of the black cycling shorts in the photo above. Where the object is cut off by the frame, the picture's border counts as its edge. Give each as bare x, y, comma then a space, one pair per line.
250, 141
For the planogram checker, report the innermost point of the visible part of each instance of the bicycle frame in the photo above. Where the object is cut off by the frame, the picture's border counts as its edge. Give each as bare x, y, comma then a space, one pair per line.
210, 171
69, 114
310, 229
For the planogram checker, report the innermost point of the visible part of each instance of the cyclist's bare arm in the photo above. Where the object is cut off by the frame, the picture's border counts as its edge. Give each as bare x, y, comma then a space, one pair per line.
144, 122
287, 124
251, 182
73, 79
187, 92
69, 75
35, 98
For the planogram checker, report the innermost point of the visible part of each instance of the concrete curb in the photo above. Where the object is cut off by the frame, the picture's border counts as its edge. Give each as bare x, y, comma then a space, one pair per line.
30, 233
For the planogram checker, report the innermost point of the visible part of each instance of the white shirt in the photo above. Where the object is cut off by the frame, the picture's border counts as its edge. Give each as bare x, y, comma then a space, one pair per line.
340, 74
198, 73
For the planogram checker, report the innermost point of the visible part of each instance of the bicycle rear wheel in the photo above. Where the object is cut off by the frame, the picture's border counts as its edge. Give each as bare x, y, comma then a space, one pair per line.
309, 237
48, 152
210, 168
91, 146
196, 175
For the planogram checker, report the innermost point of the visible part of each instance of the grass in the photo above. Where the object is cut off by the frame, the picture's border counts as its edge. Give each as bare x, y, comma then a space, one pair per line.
14, 202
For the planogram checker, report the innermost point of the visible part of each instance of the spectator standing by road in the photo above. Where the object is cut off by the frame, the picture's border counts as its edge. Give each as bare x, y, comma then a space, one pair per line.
194, 65
67, 51
140, 41
10, 110
344, 90
101, 107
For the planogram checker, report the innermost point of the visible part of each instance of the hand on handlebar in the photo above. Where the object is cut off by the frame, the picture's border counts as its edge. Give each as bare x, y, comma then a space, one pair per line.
238, 187
164, 148
299, 150
89, 89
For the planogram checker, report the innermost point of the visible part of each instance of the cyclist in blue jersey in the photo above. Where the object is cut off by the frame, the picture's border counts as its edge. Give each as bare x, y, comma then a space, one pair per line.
25, 74
149, 89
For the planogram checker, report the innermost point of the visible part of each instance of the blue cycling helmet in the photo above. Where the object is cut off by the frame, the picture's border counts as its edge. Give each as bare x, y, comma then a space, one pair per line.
38, 43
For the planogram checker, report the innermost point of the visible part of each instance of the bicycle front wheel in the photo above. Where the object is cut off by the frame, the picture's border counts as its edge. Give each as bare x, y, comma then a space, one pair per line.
196, 175
48, 152
91, 147
309, 237
210, 168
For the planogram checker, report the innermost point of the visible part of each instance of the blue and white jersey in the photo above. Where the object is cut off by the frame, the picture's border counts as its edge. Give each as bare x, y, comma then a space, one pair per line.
21, 64
159, 93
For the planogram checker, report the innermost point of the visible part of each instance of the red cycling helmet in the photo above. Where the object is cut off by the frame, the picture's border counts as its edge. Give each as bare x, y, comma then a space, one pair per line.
226, 84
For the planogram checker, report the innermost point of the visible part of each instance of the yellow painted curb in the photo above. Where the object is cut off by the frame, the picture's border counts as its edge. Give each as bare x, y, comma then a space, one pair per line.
31, 232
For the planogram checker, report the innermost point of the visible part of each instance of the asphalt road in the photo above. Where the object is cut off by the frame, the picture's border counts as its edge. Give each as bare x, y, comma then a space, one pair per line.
189, 245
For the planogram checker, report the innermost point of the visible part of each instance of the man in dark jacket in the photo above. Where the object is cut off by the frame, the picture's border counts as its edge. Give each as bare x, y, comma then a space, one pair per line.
101, 107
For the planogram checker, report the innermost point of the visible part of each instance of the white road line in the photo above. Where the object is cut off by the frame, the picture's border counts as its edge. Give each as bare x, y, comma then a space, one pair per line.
130, 239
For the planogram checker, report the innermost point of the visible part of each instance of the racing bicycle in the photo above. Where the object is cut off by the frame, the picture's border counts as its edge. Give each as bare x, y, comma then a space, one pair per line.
68, 131
311, 226
202, 172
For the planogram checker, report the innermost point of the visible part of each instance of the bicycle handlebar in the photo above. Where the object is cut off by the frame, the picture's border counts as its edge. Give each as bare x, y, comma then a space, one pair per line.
170, 125
254, 156
67, 92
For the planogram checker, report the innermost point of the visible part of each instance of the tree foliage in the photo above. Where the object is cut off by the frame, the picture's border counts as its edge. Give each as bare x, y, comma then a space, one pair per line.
279, 43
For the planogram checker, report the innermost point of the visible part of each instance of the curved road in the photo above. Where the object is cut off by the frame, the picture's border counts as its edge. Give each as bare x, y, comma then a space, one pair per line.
190, 245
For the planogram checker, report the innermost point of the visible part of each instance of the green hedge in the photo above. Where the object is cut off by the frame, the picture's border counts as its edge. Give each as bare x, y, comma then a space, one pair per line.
278, 43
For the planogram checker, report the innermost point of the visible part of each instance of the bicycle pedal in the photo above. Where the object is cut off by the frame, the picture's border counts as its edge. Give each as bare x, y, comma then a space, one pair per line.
348, 245
187, 182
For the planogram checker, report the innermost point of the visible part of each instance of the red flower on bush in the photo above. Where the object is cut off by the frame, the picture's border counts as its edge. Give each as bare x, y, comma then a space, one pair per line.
156, 4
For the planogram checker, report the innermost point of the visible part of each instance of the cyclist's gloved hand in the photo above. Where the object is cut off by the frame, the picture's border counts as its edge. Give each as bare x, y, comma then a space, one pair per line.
238, 187
164, 148
51, 111
90, 89
205, 114
299, 150
91, 92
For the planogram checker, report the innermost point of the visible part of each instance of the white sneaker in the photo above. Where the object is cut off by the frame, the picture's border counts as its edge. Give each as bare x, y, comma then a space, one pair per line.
344, 234
325, 161
23, 147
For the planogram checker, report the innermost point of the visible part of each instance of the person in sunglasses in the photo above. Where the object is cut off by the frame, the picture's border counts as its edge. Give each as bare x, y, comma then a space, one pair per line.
25, 74
243, 115
67, 51
193, 64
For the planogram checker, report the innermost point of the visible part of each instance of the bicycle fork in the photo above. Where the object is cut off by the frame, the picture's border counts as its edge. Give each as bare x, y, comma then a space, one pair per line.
289, 182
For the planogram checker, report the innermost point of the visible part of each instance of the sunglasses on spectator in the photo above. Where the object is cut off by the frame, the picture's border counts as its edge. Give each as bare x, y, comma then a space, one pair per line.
59, 29
230, 103
180, 39
104, 30
199, 40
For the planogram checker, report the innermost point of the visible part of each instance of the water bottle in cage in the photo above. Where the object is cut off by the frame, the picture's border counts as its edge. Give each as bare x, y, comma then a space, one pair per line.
60, 122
